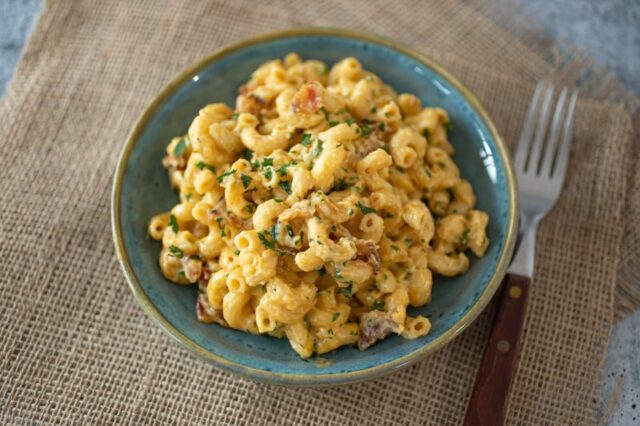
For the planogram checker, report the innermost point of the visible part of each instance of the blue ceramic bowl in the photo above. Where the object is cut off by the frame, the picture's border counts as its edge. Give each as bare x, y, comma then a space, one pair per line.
141, 190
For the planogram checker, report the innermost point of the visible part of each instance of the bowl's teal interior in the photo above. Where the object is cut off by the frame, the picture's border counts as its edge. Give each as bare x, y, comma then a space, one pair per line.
145, 192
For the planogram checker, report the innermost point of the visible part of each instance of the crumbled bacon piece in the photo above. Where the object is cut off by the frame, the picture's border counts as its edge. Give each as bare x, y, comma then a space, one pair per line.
368, 145
204, 311
249, 103
308, 98
368, 250
173, 162
374, 326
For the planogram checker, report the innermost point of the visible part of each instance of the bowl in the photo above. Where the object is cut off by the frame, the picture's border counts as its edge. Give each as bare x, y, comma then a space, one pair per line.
141, 190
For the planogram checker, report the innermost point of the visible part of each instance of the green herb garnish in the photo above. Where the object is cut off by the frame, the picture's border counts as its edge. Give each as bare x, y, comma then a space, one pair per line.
341, 185
377, 305
176, 251
333, 123
346, 292
247, 154
317, 150
180, 147
464, 238
267, 161
225, 174
335, 316
221, 226
365, 209
173, 222
286, 186
306, 139
202, 165
246, 180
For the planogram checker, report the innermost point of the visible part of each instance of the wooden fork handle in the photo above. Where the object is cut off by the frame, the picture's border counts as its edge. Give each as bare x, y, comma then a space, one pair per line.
488, 403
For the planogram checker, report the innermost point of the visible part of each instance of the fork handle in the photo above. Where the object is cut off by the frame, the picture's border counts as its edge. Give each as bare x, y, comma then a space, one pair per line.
488, 403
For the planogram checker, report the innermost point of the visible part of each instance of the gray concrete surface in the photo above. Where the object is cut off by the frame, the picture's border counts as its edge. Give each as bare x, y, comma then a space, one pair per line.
608, 31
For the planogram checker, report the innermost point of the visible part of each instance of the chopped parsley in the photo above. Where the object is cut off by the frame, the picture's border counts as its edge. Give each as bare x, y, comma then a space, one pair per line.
464, 238
366, 129
270, 244
317, 150
346, 292
340, 185
335, 316
286, 186
225, 174
246, 180
333, 123
176, 251
181, 274
180, 147
373, 110
266, 242
267, 161
250, 208
395, 247
202, 165
381, 126
306, 139
247, 154
377, 305
235, 115
221, 226
282, 170
365, 209
173, 222
350, 121
268, 173
275, 230
408, 242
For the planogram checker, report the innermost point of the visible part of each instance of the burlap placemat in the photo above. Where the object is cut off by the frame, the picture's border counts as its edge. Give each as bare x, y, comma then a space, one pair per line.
75, 346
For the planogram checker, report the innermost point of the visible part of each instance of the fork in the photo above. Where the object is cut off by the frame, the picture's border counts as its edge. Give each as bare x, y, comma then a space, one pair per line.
540, 164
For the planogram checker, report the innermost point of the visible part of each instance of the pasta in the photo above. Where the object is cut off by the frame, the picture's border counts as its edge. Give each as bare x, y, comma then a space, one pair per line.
318, 209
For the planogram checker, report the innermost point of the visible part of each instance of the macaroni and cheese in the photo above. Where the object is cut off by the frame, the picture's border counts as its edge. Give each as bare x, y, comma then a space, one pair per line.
318, 209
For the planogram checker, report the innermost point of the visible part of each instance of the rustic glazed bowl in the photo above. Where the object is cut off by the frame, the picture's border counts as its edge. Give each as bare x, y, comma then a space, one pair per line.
141, 190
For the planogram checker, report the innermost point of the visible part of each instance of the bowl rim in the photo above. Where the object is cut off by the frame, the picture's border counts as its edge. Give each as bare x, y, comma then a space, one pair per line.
314, 380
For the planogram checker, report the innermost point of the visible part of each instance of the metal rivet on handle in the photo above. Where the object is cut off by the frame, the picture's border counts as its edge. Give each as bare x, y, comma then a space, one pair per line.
515, 291
504, 346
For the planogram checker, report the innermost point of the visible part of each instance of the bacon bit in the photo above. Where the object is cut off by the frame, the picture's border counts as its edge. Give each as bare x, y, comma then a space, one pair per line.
206, 314
374, 326
173, 162
299, 210
220, 210
192, 268
368, 145
249, 103
308, 98
367, 250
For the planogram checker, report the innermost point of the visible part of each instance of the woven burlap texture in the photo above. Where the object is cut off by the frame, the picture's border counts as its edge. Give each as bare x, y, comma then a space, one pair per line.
76, 348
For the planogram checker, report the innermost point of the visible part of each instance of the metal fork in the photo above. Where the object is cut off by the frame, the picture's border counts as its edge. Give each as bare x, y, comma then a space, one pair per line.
540, 163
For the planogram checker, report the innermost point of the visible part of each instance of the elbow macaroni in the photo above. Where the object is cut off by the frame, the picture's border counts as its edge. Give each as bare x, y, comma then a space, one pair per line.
319, 209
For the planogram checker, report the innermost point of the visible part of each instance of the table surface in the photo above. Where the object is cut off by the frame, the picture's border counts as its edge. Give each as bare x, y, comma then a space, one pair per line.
608, 31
